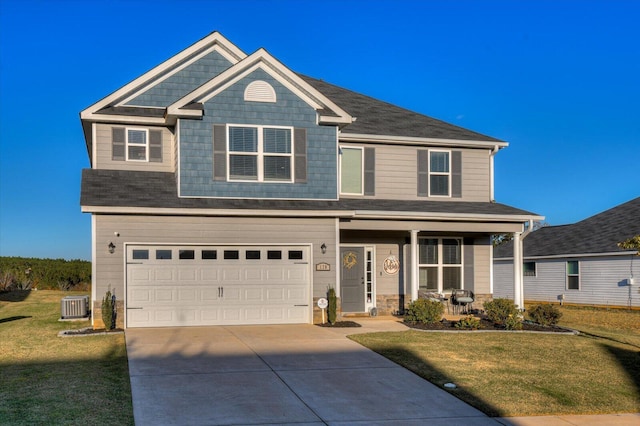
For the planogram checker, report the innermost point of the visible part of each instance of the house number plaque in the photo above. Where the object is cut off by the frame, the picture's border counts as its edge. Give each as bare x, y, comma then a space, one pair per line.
323, 266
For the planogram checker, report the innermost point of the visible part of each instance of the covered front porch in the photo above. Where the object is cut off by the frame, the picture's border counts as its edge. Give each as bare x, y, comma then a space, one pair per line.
385, 264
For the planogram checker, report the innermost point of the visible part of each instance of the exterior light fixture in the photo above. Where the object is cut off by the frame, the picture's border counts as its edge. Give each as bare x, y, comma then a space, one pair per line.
112, 247
323, 247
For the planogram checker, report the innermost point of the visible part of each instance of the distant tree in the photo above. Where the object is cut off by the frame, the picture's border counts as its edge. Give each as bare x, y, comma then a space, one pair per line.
499, 239
632, 243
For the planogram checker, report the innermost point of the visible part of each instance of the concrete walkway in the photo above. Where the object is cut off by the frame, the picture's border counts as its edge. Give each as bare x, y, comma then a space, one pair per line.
292, 374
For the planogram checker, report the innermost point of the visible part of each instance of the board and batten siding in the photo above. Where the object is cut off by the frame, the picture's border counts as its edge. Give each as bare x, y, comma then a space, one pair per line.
175, 230
104, 157
482, 265
602, 281
396, 173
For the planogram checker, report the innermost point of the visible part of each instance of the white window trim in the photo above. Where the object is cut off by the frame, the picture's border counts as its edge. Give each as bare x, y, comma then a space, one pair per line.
567, 275
430, 173
440, 265
361, 170
260, 154
146, 144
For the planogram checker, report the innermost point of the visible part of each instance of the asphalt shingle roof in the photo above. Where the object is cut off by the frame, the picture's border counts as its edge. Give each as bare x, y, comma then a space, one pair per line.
597, 234
120, 188
375, 117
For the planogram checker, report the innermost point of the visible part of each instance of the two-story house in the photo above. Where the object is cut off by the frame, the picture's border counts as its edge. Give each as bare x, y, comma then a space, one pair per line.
225, 188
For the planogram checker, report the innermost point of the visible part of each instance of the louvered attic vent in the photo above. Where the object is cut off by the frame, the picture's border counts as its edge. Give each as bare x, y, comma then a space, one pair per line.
259, 91
74, 307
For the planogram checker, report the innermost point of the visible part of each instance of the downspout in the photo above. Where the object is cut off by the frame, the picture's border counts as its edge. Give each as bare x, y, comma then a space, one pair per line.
494, 151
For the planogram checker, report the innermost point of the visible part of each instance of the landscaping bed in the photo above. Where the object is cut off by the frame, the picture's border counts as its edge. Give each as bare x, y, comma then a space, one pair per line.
485, 325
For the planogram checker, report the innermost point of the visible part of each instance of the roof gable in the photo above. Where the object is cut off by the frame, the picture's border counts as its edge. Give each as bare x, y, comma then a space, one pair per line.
214, 42
329, 112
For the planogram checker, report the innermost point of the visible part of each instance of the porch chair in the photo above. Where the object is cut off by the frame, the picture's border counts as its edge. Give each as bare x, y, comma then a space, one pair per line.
462, 299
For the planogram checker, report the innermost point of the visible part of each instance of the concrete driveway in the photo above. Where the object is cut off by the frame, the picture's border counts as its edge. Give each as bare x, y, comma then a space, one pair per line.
283, 374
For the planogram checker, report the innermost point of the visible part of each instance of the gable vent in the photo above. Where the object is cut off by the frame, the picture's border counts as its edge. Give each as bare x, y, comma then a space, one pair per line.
259, 91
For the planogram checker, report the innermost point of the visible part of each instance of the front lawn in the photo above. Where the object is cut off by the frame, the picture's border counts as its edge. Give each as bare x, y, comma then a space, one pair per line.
52, 380
522, 374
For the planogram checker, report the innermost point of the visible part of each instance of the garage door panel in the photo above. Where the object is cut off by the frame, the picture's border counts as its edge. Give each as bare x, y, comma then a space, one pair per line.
164, 274
211, 291
187, 274
164, 295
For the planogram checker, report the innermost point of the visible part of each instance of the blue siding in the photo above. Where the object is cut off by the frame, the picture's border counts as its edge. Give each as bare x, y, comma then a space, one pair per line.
196, 145
183, 82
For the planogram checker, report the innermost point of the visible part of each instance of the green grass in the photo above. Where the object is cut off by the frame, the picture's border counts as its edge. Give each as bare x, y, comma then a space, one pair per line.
523, 374
52, 380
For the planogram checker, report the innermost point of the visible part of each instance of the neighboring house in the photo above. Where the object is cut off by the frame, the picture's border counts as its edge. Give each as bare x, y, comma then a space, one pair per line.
579, 263
225, 188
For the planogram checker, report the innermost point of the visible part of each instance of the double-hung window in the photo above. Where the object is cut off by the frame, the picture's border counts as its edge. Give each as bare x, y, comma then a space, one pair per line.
439, 173
351, 176
573, 275
260, 153
440, 264
137, 144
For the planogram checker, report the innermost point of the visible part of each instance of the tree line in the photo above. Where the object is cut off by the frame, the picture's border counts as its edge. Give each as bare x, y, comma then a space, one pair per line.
25, 273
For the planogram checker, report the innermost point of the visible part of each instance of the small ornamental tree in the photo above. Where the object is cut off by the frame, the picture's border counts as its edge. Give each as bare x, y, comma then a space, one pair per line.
109, 310
332, 309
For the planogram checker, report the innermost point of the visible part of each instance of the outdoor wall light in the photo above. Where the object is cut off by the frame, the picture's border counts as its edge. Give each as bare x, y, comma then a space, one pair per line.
112, 247
323, 247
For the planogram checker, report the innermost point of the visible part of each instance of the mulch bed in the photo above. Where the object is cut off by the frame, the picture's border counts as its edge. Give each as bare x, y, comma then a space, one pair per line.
89, 331
339, 324
486, 325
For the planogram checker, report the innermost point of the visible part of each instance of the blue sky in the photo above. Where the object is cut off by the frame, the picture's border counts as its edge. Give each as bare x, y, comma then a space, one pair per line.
558, 80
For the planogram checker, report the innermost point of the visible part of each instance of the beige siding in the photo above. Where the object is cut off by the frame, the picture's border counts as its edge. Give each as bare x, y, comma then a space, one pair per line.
208, 230
482, 265
103, 159
396, 173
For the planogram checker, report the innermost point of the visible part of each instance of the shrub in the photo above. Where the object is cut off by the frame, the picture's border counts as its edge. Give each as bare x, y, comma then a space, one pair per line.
513, 322
545, 314
468, 323
424, 311
332, 309
109, 310
500, 310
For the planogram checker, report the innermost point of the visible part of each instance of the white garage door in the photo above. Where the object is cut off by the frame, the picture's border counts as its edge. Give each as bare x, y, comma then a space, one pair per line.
215, 285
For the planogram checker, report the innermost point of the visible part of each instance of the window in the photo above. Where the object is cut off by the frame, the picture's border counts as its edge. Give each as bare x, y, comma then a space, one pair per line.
440, 264
351, 171
140, 254
573, 275
274, 254
163, 254
252, 255
439, 173
209, 254
186, 254
260, 154
529, 269
295, 254
231, 254
137, 144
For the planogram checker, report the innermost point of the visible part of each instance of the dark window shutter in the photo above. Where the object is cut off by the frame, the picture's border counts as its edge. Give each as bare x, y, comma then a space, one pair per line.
155, 146
423, 173
369, 171
117, 144
219, 152
300, 154
456, 174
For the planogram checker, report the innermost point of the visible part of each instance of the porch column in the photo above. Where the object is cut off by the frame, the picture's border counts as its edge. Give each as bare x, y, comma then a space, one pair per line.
414, 265
518, 290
